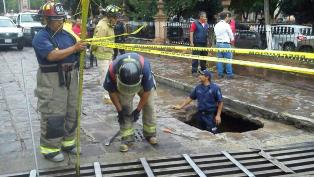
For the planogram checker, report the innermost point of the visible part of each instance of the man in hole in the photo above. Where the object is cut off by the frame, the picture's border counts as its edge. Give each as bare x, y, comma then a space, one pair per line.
209, 102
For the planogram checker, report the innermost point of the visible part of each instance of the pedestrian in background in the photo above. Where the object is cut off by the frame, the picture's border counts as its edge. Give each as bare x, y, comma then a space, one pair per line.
209, 102
105, 28
57, 53
118, 30
76, 28
224, 37
198, 38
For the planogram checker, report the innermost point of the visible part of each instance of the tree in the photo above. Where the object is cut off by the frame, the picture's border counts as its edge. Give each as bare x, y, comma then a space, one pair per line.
245, 7
301, 9
184, 8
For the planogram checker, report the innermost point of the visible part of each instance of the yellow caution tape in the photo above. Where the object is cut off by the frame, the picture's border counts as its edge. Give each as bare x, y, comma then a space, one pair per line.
206, 58
272, 53
109, 37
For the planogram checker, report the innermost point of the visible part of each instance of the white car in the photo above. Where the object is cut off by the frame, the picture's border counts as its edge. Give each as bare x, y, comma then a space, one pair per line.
30, 24
10, 34
286, 37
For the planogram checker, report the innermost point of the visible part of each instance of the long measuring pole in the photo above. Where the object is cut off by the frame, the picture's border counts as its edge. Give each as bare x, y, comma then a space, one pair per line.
85, 5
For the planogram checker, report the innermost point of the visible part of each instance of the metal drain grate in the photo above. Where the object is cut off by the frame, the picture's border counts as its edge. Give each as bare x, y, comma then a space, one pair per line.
289, 161
139, 137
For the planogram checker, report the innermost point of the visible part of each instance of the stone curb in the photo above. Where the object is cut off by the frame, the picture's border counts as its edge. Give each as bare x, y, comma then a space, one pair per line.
249, 111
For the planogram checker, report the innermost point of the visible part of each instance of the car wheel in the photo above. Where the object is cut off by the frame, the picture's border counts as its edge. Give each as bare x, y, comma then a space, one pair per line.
20, 47
289, 47
306, 49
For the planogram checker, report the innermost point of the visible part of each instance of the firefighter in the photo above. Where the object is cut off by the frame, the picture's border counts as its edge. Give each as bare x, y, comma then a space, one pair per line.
57, 53
104, 28
130, 74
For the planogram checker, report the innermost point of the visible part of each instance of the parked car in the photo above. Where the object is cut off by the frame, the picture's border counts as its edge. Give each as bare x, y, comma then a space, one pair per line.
30, 24
12, 16
286, 37
10, 34
248, 39
306, 45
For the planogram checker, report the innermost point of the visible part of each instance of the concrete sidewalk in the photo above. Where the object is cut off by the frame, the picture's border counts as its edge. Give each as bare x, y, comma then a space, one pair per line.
245, 94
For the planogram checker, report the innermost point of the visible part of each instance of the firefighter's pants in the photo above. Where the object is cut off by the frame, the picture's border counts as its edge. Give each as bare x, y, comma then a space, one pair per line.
148, 117
103, 65
58, 108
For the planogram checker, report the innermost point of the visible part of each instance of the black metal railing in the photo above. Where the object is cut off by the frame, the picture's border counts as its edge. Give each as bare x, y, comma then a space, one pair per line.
284, 37
147, 33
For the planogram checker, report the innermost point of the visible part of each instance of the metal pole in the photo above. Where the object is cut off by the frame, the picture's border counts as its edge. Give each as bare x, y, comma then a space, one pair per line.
4, 9
84, 6
267, 25
30, 119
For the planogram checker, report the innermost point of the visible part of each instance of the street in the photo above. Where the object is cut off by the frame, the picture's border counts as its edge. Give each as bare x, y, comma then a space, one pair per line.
99, 121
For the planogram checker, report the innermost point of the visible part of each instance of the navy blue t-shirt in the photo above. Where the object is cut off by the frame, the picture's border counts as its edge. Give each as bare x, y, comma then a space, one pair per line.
207, 97
43, 45
147, 81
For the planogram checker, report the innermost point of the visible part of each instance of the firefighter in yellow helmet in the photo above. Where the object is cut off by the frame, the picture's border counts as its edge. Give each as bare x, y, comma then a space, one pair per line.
57, 53
104, 28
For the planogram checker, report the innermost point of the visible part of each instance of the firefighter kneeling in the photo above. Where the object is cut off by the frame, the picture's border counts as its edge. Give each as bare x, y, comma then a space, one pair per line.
57, 83
128, 75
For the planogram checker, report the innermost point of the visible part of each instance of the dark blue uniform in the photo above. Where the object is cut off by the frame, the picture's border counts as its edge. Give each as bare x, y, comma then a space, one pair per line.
207, 98
147, 81
44, 42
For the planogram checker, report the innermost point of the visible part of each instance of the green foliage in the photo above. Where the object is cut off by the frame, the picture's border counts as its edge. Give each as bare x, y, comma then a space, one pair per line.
143, 10
244, 7
191, 8
301, 9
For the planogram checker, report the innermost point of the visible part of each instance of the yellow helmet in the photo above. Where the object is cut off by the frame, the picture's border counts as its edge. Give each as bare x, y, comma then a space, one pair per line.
112, 11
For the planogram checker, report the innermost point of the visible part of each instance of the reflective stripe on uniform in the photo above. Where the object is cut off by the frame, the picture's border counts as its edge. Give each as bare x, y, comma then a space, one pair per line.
45, 150
68, 143
149, 128
127, 132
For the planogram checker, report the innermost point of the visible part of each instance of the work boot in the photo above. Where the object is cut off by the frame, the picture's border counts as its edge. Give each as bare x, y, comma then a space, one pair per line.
72, 151
152, 140
124, 148
55, 157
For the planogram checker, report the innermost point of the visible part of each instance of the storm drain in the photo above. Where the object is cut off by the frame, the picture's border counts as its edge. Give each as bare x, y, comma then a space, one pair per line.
296, 160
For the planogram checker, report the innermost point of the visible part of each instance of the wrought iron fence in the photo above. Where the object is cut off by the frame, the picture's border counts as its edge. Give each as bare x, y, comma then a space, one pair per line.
284, 37
146, 34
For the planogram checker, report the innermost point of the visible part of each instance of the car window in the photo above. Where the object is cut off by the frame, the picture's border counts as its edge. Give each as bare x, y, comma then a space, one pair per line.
29, 18
6, 23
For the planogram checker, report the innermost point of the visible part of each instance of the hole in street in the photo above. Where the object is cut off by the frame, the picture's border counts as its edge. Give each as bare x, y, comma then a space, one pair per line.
230, 123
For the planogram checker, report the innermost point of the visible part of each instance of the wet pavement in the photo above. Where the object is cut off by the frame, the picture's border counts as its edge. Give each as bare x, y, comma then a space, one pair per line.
99, 121
296, 103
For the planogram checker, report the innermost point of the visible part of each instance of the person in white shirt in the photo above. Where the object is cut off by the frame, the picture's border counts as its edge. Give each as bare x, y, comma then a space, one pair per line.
224, 37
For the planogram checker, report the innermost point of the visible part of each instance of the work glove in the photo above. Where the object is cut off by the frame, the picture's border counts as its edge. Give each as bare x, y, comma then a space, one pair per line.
136, 115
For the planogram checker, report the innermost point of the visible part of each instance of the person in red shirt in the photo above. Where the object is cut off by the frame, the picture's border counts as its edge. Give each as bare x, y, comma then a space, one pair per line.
198, 38
232, 24
77, 27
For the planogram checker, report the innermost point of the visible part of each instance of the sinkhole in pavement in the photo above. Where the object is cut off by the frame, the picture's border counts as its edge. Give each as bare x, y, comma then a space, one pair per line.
231, 123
